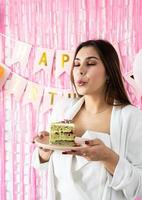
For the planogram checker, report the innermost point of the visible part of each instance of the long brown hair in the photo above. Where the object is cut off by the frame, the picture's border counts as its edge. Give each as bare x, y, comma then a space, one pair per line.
115, 89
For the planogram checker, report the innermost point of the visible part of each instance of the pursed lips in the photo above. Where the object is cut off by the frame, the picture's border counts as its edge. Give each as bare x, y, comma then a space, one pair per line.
81, 82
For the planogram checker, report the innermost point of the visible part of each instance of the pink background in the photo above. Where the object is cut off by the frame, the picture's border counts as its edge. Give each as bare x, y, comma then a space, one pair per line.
54, 24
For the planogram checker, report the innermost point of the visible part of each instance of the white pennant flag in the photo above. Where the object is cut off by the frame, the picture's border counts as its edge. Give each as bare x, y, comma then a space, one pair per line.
33, 94
64, 59
43, 60
17, 86
49, 98
20, 54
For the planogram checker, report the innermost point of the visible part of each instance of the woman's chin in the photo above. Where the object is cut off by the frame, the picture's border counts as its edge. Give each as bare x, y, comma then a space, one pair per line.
82, 93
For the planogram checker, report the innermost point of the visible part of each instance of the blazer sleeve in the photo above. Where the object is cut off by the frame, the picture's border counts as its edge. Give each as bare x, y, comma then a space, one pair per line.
128, 173
36, 162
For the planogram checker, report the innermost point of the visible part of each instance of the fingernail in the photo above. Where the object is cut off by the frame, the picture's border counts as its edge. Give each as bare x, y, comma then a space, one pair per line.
86, 142
73, 151
64, 153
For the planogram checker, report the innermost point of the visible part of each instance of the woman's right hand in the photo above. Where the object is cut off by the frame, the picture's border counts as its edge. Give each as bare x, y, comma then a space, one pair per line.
44, 154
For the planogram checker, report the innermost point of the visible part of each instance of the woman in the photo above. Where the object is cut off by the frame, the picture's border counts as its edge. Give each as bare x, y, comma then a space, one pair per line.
109, 167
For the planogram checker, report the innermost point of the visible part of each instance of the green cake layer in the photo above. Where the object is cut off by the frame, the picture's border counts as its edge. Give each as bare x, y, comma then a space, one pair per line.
62, 134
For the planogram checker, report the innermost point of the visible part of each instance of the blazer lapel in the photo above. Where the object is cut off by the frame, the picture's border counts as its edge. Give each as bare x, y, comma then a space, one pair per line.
73, 110
116, 129
69, 115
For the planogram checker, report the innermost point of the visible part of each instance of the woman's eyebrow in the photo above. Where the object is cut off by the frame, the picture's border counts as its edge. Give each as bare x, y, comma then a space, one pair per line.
90, 57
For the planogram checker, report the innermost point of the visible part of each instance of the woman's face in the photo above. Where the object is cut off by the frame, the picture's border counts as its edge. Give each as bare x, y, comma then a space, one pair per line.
89, 72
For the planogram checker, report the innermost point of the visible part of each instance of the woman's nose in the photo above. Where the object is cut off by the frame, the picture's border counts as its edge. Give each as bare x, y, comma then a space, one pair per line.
82, 70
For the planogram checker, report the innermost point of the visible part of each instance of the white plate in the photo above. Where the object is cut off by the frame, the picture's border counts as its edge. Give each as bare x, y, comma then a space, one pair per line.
44, 144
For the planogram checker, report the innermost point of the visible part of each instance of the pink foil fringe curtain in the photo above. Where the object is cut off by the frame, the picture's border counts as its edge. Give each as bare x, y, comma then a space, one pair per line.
2, 113
53, 24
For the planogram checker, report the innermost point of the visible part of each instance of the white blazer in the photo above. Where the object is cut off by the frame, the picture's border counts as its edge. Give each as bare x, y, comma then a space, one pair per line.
125, 139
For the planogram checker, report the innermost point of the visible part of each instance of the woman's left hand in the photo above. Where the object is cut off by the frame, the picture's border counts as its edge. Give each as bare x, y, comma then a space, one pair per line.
96, 150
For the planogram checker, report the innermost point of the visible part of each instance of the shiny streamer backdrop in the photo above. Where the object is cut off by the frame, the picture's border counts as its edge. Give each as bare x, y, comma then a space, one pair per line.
53, 24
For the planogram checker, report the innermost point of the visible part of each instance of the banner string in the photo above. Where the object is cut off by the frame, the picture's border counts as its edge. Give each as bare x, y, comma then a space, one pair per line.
126, 39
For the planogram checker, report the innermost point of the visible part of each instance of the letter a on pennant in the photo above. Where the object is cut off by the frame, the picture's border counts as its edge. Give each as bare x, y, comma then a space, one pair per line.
43, 59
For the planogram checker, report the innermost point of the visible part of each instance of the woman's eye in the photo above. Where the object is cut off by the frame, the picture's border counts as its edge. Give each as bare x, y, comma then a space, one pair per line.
91, 63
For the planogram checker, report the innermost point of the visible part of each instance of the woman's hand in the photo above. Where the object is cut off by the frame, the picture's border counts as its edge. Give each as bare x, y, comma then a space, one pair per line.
96, 150
44, 154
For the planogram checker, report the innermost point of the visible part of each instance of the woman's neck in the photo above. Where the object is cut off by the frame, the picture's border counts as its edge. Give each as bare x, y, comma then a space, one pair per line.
94, 105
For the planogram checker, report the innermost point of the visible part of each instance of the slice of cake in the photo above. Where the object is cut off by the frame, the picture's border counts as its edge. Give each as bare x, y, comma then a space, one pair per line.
62, 133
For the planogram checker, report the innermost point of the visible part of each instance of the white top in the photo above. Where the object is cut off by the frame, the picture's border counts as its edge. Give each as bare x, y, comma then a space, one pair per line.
73, 177
78, 179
